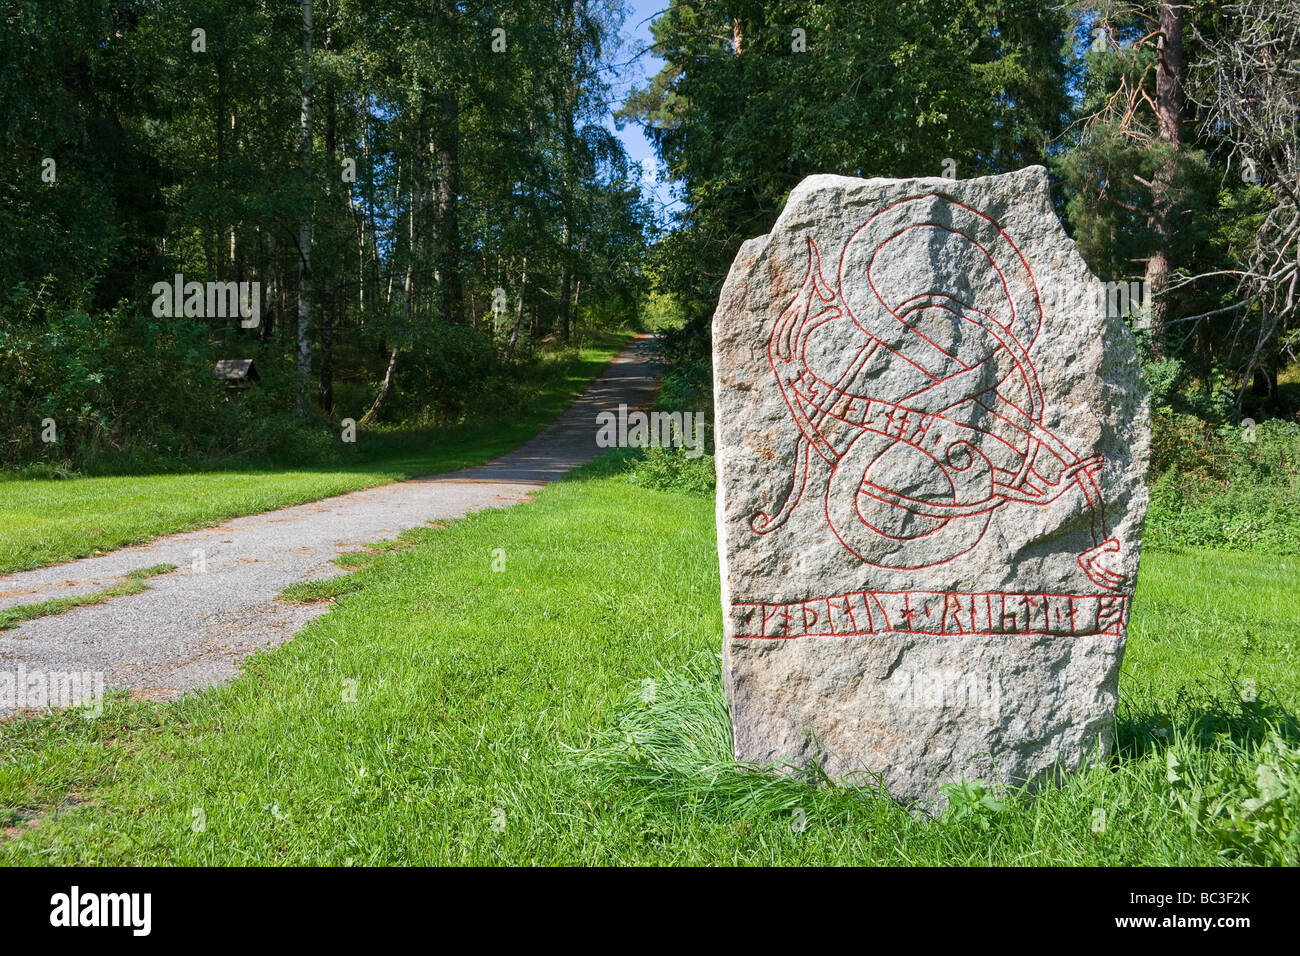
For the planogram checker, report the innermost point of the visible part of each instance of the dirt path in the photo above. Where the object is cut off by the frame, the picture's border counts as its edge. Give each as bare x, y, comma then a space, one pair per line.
193, 627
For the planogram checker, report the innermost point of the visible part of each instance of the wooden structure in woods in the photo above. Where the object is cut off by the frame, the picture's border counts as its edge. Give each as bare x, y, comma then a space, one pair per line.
237, 374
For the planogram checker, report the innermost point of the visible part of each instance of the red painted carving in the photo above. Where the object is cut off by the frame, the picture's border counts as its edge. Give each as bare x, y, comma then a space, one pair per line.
940, 613
962, 434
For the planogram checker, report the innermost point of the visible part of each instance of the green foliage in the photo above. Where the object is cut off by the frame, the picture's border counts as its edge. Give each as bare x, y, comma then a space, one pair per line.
1231, 766
68, 87
1161, 377
1245, 802
674, 469
1118, 171
687, 383
662, 311
129, 392
175, 159
971, 803
451, 371
104, 379
1214, 488
739, 116
1244, 799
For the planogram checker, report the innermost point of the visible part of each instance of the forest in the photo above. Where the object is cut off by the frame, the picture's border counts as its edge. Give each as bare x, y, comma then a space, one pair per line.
430, 198
423, 194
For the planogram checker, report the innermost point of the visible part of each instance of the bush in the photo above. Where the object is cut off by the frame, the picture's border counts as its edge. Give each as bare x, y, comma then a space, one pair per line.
1161, 377
661, 311
451, 371
131, 393
672, 469
113, 383
1215, 489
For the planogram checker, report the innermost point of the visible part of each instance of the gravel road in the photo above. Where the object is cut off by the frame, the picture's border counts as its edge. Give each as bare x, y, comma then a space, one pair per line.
193, 628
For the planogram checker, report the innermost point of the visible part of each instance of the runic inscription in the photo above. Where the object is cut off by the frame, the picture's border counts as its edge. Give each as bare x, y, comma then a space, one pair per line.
934, 612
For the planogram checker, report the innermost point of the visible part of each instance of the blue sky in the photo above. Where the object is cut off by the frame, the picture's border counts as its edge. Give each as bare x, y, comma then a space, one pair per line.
630, 71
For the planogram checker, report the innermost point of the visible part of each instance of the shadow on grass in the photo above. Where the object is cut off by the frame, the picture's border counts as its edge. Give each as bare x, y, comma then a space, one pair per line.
1230, 709
403, 451
540, 394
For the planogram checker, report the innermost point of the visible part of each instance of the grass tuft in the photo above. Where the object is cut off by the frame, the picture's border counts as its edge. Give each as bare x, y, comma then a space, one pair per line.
133, 583
141, 574
314, 592
669, 746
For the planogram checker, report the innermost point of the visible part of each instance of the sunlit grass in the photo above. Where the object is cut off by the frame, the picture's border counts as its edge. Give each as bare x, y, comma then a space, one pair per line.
45, 521
444, 712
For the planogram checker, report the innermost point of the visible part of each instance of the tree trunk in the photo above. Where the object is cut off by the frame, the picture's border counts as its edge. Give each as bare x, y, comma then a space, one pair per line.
220, 124
330, 297
272, 298
519, 312
407, 291
325, 387
1264, 384
357, 199
448, 240
566, 288
304, 220
378, 403
388, 291
568, 103
577, 297
1170, 103
408, 284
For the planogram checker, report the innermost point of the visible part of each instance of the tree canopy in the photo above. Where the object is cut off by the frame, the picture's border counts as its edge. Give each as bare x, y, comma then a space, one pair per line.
425, 192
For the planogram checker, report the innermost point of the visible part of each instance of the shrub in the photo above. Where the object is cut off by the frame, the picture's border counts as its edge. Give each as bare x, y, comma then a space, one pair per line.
1214, 489
110, 382
451, 371
673, 469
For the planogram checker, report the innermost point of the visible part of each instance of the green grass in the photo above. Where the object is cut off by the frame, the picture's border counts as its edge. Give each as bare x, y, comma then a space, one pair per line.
1212, 489
143, 574
44, 521
314, 592
444, 712
132, 583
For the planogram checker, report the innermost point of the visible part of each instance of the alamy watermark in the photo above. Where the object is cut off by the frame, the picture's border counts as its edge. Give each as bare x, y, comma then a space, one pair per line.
129, 910
22, 689
1122, 299
211, 300
626, 429
1119, 298
946, 688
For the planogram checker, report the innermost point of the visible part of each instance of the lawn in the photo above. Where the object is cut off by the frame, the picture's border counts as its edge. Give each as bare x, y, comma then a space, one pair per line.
566, 709
44, 521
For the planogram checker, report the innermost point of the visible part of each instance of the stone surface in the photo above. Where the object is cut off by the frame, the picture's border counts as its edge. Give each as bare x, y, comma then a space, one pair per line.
931, 443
